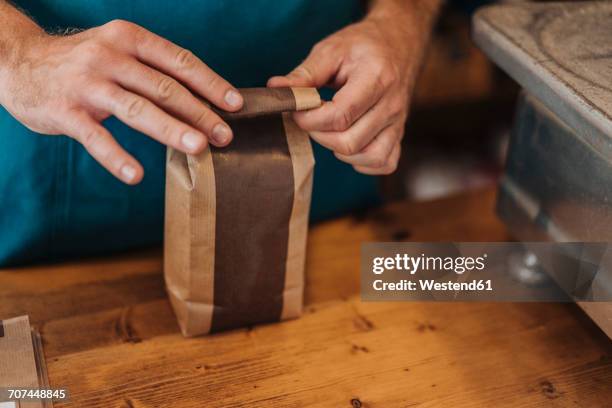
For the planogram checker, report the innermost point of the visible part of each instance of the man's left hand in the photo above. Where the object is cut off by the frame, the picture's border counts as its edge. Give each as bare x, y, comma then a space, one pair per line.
373, 65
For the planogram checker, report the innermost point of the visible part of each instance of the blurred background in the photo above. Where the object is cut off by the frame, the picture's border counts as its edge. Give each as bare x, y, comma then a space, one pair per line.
460, 118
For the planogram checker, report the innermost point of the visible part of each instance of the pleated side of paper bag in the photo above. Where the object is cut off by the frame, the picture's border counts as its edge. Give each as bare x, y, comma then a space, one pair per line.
237, 218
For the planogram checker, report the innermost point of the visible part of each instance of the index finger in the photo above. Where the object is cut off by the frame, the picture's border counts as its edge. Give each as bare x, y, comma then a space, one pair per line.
352, 101
183, 65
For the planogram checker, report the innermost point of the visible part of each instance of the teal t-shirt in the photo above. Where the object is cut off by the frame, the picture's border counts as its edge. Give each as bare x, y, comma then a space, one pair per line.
56, 201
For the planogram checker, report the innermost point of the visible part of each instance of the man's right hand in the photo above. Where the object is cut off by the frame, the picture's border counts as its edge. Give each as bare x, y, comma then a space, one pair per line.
69, 84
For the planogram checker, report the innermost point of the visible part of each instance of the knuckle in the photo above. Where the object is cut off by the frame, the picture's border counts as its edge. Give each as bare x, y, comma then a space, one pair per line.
119, 28
387, 75
104, 89
202, 118
109, 96
117, 22
134, 107
396, 108
378, 161
109, 99
347, 146
320, 46
184, 59
108, 157
389, 146
390, 168
342, 120
393, 160
91, 138
167, 132
303, 71
213, 81
166, 88
324, 47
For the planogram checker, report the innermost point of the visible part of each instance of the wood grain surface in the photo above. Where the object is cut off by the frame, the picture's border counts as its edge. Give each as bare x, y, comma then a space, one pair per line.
111, 339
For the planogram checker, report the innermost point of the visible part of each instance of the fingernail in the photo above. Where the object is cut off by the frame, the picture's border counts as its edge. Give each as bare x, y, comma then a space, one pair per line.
128, 173
192, 141
221, 134
233, 98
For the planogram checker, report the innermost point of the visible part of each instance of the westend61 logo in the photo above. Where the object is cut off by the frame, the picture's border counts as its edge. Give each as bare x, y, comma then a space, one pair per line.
413, 264
486, 271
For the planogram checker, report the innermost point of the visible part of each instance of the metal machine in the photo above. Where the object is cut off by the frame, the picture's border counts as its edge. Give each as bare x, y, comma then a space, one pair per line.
557, 185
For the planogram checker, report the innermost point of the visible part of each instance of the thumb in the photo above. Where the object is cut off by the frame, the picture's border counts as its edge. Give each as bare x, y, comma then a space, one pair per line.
317, 70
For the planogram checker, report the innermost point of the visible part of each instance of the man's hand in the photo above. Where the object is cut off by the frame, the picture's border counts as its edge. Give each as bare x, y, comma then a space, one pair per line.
373, 64
69, 84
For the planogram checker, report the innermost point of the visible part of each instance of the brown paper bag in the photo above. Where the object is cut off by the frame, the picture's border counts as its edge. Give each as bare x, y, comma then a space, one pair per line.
237, 218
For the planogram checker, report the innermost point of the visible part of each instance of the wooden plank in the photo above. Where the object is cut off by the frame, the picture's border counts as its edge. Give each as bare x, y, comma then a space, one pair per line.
128, 324
79, 299
385, 354
111, 338
28, 279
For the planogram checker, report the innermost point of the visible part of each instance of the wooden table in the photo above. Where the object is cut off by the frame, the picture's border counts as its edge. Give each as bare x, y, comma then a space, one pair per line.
110, 336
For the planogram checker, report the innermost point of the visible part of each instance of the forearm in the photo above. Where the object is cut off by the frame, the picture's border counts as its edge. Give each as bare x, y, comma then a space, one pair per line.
16, 29
410, 20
